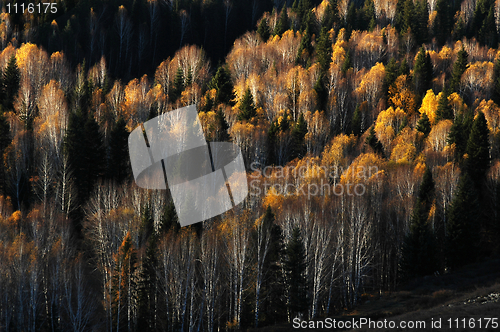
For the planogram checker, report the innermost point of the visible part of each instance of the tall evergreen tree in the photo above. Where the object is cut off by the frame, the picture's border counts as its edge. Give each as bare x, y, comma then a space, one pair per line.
247, 107
422, 72
444, 20
424, 125
459, 133
458, 69
324, 50
374, 143
118, 167
178, 84
295, 267
272, 292
222, 83
496, 82
462, 227
148, 289
10, 83
5, 140
356, 121
282, 25
299, 132
444, 110
478, 149
169, 220
263, 30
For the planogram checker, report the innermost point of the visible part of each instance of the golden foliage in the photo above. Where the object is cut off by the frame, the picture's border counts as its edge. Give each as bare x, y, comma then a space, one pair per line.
430, 105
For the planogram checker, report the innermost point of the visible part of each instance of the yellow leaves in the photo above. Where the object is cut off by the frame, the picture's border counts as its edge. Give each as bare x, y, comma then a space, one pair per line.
401, 95
15, 218
370, 87
492, 114
366, 168
430, 105
388, 124
335, 154
456, 102
438, 135
273, 199
404, 150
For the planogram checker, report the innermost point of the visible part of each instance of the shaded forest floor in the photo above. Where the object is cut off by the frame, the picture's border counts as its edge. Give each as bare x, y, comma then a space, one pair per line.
471, 292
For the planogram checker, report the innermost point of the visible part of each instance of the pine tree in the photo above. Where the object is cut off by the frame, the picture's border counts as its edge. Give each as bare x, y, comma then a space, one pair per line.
263, 30
419, 247
420, 23
222, 83
496, 82
324, 50
347, 64
305, 49
444, 110
374, 143
10, 83
299, 132
224, 127
118, 167
462, 238
356, 121
422, 72
478, 149
178, 84
444, 21
247, 107
95, 154
488, 33
282, 25
273, 301
169, 220
424, 125
5, 140
148, 288
459, 133
391, 73
295, 266
458, 69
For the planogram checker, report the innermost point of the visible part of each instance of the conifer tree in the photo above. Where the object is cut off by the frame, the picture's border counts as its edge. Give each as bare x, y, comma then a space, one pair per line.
272, 292
295, 268
5, 140
10, 83
444, 110
148, 288
299, 132
374, 143
391, 73
419, 247
424, 125
459, 133
478, 149
462, 234
422, 72
324, 50
356, 121
169, 220
458, 69
444, 20
118, 167
305, 48
222, 83
282, 25
247, 107
178, 84
224, 127
263, 30
496, 82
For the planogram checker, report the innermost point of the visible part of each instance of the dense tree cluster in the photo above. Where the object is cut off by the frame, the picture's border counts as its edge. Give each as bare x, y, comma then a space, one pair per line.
370, 131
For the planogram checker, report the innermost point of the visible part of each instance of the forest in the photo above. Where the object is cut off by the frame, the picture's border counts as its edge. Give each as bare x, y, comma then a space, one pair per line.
399, 100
